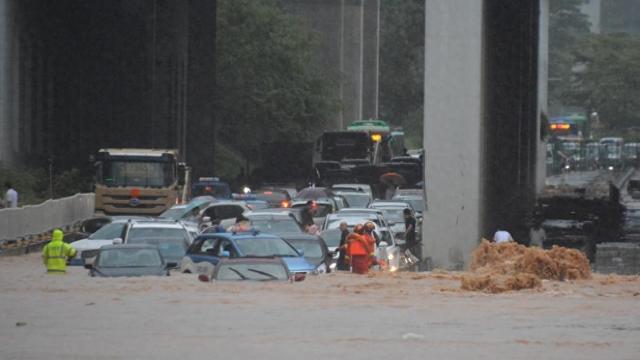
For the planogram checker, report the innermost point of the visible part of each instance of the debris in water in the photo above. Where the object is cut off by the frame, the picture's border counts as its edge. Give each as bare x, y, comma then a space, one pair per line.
21, 323
509, 266
411, 336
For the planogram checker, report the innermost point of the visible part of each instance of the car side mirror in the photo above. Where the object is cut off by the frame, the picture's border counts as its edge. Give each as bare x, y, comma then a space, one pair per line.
206, 219
383, 244
117, 241
301, 252
172, 265
88, 266
225, 253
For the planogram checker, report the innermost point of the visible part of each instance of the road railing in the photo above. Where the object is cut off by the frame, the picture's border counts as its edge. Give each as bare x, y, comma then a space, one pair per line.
32, 220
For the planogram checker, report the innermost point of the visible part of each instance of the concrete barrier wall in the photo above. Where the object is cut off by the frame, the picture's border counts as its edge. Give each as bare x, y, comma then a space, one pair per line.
36, 219
618, 258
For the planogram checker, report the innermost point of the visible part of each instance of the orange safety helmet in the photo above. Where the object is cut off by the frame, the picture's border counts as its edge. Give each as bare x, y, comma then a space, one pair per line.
369, 226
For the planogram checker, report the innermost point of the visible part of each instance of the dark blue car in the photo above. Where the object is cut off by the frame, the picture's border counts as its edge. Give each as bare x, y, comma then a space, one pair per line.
207, 249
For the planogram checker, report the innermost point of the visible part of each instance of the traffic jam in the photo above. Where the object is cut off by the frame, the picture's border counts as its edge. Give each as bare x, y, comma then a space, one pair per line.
361, 211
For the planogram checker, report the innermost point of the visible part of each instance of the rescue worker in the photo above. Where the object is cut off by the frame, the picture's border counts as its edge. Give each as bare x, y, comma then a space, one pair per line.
371, 242
358, 250
56, 252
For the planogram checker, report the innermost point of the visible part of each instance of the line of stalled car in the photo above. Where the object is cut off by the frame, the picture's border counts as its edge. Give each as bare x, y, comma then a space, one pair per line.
256, 236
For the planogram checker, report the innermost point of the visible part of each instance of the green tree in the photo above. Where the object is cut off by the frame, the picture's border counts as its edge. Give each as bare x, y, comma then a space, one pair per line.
269, 86
608, 78
567, 27
402, 65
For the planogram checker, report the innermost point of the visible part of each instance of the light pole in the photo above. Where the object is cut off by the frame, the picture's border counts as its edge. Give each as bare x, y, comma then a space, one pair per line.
51, 177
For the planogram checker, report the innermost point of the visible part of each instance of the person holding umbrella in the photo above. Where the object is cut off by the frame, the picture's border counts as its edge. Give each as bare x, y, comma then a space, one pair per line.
391, 181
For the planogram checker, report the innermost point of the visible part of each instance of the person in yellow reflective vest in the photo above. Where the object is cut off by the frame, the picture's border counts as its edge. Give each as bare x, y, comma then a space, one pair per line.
56, 252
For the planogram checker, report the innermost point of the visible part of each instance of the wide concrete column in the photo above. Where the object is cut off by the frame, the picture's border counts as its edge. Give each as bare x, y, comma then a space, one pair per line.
453, 130
485, 92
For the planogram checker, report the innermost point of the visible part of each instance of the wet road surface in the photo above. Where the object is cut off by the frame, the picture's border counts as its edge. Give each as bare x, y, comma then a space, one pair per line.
404, 316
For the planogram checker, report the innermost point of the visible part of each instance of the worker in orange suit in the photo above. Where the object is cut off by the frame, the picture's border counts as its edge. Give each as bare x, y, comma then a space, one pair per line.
369, 226
358, 250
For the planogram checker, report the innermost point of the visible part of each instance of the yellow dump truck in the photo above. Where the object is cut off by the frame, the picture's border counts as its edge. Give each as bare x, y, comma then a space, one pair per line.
137, 181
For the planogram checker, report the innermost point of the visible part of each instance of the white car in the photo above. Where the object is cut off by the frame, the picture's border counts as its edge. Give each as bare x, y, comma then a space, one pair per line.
171, 237
353, 187
87, 249
223, 213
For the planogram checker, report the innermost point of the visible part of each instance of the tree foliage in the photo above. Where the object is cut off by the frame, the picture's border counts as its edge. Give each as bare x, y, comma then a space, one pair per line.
269, 84
402, 64
608, 79
567, 26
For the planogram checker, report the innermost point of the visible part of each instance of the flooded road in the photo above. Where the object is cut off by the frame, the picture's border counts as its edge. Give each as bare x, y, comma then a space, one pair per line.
408, 315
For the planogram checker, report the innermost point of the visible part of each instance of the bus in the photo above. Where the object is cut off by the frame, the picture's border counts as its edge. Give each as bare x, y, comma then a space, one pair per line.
136, 181
630, 153
611, 152
567, 127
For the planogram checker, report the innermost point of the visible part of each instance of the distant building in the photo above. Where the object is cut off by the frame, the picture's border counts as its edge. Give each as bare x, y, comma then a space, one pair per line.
613, 16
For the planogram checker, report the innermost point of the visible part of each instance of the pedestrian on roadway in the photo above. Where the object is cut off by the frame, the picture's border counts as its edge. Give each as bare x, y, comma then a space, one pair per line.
343, 264
409, 230
357, 251
11, 196
56, 252
537, 235
306, 215
502, 236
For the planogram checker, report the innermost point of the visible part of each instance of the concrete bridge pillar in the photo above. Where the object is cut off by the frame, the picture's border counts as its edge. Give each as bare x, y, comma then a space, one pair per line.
482, 127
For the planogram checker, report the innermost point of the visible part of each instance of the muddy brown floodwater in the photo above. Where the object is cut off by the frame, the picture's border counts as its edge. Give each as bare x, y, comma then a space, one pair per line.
390, 316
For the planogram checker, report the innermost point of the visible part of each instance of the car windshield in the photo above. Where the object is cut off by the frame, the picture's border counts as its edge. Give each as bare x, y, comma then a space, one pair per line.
157, 233
331, 237
266, 247
108, 232
169, 248
175, 213
273, 226
357, 200
312, 249
115, 258
138, 173
256, 272
416, 203
393, 215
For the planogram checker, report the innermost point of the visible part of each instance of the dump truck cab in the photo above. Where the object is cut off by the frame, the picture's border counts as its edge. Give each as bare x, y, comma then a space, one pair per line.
136, 181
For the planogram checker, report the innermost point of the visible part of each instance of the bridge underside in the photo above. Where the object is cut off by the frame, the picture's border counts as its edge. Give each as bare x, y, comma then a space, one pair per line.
77, 75
484, 93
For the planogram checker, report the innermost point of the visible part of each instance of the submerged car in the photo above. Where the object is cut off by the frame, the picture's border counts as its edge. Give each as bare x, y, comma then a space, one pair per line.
277, 223
208, 249
129, 260
314, 249
252, 269
172, 238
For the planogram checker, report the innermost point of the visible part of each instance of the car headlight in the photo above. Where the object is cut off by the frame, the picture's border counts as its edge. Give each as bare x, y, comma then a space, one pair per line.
321, 269
333, 266
390, 256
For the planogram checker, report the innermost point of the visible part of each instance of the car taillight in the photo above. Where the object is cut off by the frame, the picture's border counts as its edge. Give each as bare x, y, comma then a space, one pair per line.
285, 204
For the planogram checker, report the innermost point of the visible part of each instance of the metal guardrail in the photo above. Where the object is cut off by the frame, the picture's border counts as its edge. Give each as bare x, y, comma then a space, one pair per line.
37, 219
